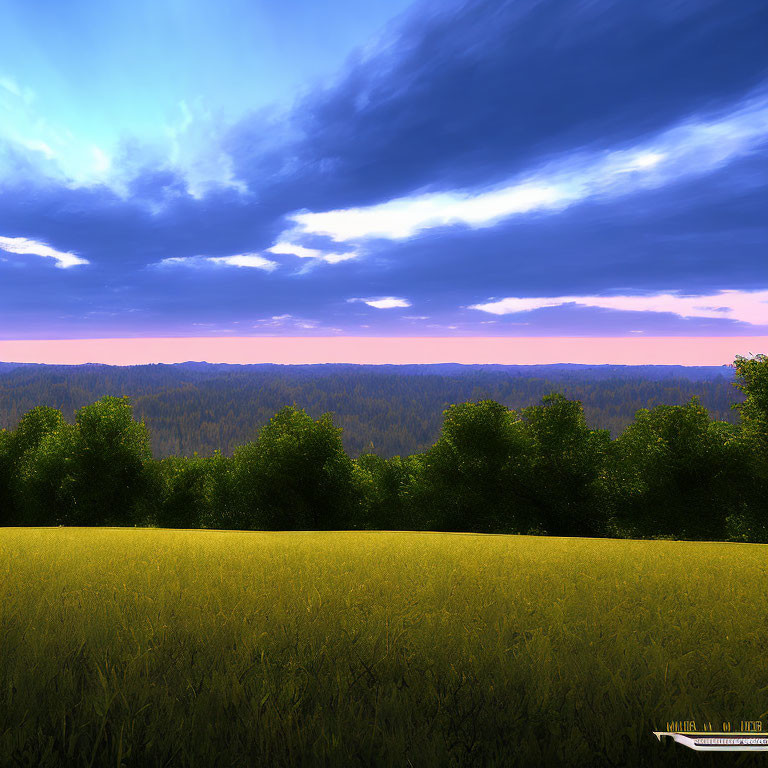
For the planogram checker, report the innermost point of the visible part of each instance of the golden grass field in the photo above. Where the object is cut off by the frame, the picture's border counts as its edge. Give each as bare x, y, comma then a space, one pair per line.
142, 647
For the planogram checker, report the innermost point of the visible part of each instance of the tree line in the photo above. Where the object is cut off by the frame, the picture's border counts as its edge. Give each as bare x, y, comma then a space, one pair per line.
673, 472
386, 410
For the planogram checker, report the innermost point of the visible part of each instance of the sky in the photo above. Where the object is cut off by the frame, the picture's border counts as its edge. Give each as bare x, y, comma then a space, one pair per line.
485, 170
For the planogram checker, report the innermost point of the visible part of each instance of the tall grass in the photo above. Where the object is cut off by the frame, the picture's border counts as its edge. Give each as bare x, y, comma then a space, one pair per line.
131, 647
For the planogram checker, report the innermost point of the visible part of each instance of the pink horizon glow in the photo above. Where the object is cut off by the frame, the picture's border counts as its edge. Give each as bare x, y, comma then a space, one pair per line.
375, 350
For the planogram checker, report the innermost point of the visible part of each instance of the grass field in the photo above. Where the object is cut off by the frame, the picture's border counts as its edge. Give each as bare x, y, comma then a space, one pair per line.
140, 647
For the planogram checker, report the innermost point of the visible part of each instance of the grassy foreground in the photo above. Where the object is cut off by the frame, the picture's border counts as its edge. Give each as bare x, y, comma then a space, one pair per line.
139, 647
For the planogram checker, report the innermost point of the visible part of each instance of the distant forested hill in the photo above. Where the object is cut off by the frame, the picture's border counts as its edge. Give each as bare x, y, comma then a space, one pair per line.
384, 409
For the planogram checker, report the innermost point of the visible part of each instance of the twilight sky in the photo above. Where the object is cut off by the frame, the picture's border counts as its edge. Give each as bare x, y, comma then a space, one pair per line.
531, 168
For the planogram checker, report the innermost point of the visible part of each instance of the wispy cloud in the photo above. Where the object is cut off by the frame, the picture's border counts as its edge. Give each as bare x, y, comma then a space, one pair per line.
292, 249
10, 85
336, 258
745, 306
25, 246
287, 321
196, 152
102, 162
694, 147
37, 145
249, 260
383, 302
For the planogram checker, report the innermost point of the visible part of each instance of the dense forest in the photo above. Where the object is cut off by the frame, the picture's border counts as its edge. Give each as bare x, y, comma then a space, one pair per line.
387, 410
538, 469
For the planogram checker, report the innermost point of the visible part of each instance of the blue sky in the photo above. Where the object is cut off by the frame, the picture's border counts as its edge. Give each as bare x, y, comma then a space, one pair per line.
526, 168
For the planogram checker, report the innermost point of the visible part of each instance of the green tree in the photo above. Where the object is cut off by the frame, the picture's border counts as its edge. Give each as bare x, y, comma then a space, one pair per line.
387, 488
225, 508
6, 468
34, 429
44, 481
752, 380
111, 451
564, 482
94, 472
466, 479
296, 475
184, 496
675, 472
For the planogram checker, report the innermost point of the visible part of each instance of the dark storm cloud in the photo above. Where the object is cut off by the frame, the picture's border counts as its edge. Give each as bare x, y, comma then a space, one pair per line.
467, 95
